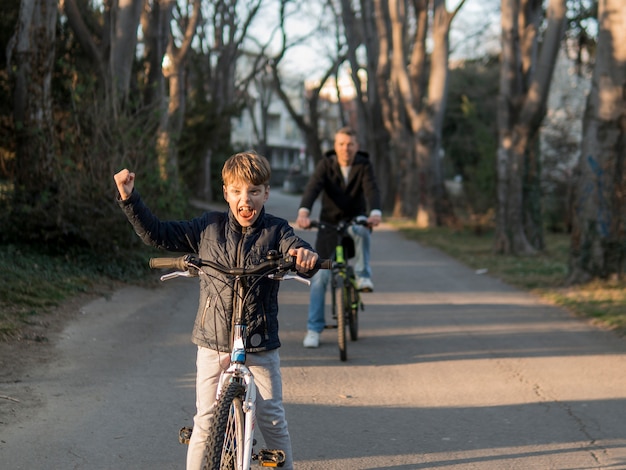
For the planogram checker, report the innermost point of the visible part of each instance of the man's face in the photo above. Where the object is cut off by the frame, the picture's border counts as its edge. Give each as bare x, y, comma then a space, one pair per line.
345, 148
246, 200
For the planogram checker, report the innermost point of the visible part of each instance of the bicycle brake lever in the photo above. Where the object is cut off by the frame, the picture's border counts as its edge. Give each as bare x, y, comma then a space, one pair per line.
167, 277
287, 277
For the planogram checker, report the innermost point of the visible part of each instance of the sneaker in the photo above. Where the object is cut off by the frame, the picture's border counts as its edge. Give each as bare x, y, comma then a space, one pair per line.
364, 284
311, 340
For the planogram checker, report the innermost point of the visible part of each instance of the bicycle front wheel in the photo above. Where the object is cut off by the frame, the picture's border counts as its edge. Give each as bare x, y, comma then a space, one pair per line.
340, 306
224, 446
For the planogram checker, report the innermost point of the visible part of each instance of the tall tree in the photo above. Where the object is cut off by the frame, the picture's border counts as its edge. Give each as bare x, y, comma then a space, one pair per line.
174, 67
599, 216
217, 82
32, 50
110, 39
525, 75
366, 51
307, 120
415, 101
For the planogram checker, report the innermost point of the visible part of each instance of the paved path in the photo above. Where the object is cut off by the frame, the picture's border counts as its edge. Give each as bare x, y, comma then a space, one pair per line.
452, 370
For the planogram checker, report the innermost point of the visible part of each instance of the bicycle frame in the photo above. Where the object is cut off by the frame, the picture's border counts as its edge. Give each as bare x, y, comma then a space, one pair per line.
238, 371
342, 268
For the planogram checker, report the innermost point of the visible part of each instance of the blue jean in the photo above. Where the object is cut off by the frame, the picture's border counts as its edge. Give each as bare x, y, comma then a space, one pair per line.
361, 237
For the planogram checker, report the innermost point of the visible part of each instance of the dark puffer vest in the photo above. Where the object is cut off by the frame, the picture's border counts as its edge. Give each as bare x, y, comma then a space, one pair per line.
217, 236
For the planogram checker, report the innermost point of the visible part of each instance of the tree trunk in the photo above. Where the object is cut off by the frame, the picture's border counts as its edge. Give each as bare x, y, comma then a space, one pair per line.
170, 129
423, 105
33, 54
525, 77
155, 24
123, 44
112, 48
377, 136
599, 222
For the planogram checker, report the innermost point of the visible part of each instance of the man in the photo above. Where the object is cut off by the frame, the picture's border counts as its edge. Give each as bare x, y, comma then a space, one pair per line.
345, 178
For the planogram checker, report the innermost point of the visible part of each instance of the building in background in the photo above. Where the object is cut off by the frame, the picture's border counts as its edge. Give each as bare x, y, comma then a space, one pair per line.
266, 125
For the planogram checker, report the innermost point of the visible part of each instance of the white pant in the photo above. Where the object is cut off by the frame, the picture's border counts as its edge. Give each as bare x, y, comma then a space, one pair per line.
270, 413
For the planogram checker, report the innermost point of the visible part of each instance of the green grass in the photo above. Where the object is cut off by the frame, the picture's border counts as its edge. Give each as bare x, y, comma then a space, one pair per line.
32, 282
543, 274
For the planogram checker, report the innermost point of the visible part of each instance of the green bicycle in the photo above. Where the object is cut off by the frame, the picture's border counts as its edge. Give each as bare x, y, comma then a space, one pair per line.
345, 295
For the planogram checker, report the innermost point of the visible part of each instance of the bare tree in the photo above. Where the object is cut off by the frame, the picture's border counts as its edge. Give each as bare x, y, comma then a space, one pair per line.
415, 99
365, 51
110, 42
599, 220
156, 19
32, 52
222, 41
307, 122
219, 79
174, 62
525, 77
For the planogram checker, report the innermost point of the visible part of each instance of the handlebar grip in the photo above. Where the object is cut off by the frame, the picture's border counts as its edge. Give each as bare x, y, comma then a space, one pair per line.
324, 264
179, 263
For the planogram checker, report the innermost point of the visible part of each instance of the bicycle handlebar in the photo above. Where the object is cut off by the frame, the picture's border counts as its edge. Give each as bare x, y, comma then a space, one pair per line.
185, 262
360, 220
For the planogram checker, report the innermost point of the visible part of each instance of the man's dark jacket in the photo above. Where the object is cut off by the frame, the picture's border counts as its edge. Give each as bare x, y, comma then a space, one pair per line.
340, 201
217, 236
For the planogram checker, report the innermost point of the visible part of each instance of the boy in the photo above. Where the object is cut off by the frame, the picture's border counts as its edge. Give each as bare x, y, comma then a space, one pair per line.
238, 237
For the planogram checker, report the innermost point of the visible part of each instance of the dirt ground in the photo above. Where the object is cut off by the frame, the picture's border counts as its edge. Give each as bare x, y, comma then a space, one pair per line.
30, 348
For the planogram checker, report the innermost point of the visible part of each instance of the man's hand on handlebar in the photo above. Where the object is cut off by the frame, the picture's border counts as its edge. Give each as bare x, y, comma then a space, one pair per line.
305, 259
303, 220
374, 220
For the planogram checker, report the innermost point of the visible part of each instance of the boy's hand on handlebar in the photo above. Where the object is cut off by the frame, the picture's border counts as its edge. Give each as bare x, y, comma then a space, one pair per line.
305, 259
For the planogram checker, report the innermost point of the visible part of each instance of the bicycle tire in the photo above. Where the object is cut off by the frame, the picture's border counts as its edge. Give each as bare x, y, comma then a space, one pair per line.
226, 437
352, 310
340, 306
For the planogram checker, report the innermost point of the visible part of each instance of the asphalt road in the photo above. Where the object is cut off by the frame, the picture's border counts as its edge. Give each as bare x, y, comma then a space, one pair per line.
452, 370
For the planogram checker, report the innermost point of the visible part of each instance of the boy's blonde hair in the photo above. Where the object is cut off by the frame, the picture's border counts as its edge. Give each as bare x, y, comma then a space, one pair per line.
249, 167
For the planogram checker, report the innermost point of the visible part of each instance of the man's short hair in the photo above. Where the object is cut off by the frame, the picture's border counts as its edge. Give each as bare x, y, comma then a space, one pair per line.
347, 130
249, 167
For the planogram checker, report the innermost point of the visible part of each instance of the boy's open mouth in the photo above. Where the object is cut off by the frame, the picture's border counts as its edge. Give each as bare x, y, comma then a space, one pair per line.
246, 212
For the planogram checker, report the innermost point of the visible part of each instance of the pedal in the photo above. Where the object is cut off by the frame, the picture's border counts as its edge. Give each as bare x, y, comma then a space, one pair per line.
270, 458
184, 435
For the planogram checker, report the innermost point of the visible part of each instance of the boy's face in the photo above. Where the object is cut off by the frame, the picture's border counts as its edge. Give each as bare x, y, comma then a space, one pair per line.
246, 200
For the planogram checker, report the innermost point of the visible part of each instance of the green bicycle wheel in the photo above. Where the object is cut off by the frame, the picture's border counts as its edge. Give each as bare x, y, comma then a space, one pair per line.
339, 303
225, 442
352, 310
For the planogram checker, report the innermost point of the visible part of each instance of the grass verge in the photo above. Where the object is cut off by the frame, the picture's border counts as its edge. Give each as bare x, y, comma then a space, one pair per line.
604, 302
32, 282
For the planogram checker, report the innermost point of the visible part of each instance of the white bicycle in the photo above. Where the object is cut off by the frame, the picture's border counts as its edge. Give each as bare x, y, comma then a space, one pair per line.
231, 439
